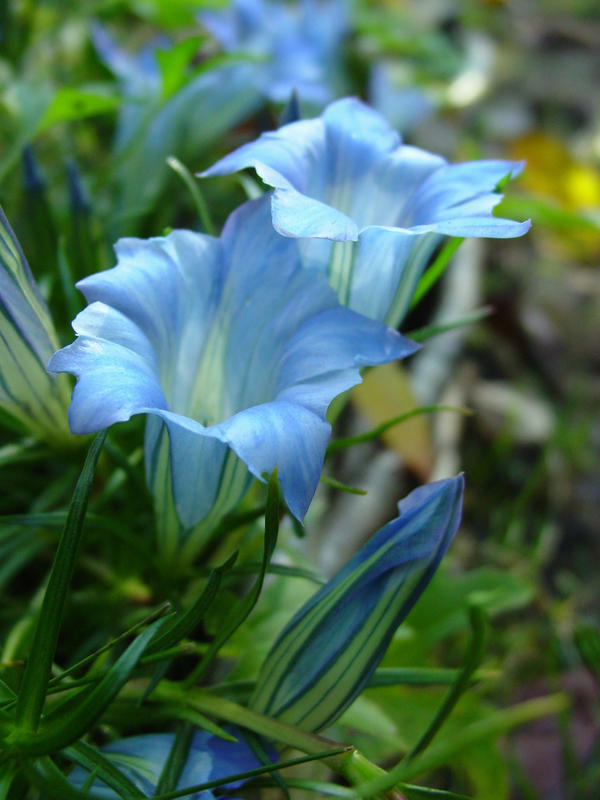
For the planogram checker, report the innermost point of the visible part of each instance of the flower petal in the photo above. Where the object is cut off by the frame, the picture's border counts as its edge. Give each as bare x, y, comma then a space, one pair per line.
113, 383
297, 215
283, 158
333, 342
283, 435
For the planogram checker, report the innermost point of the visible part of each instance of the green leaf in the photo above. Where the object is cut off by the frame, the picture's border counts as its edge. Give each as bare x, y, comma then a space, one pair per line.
342, 487
587, 641
424, 793
251, 773
33, 688
8, 774
349, 441
71, 103
490, 727
174, 62
244, 608
61, 732
202, 208
93, 760
423, 676
176, 760
460, 684
46, 776
436, 269
429, 331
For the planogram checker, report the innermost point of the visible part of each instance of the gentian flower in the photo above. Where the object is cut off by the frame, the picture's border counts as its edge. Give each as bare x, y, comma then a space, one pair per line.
229, 342
296, 44
151, 127
29, 396
328, 651
368, 209
142, 758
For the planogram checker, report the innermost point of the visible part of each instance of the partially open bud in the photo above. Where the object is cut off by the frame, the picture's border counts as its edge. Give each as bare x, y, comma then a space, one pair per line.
327, 653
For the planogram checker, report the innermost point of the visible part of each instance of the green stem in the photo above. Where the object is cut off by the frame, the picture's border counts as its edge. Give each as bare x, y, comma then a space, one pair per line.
349, 763
461, 683
488, 728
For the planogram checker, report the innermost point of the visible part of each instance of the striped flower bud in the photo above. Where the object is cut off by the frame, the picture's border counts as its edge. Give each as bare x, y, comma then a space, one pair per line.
31, 398
327, 653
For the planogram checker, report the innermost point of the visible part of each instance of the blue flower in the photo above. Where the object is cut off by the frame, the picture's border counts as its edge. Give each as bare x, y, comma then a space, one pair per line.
325, 656
142, 758
298, 44
29, 396
233, 346
151, 127
345, 178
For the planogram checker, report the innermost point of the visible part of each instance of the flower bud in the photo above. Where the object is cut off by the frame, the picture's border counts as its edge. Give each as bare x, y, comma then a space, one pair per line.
327, 653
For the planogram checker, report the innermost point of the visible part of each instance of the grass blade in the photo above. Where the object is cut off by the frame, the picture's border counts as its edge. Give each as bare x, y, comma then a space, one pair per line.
37, 671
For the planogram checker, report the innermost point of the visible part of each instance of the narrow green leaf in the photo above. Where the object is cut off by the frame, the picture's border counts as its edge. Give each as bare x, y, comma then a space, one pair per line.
425, 793
342, 487
37, 672
62, 732
474, 657
46, 776
320, 788
489, 728
429, 331
256, 745
71, 297
424, 676
109, 645
587, 641
279, 569
176, 760
349, 441
92, 759
244, 608
200, 203
174, 64
436, 269
251, 773
7, 775
71, 103
184, 624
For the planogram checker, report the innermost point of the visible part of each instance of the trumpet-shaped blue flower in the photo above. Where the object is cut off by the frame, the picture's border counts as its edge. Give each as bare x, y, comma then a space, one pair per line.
325, 656
142, 758
229, 342
297, 44
28, 395
345, 178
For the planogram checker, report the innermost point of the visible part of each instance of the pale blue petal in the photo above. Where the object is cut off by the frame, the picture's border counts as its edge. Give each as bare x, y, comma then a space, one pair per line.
378, 268
335, 340
283, 435
113, 383
297, 215
481, 227
384, 196
455, 184
199, 463
405, 107
283, 159
142, 759
350, 120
